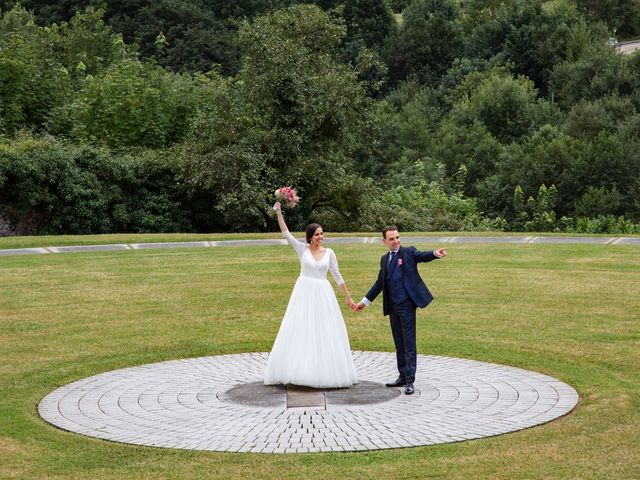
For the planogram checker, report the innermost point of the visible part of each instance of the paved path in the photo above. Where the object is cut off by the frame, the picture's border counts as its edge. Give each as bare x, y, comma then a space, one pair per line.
407, 240
218, 403
627, 48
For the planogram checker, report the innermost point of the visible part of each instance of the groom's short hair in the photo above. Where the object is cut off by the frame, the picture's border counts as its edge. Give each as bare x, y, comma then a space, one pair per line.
388, 228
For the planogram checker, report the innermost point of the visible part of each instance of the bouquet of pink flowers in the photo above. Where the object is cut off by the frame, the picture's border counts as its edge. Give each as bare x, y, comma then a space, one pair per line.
287, 196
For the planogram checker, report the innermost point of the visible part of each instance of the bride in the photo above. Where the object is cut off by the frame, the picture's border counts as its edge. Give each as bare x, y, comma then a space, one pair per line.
312, 346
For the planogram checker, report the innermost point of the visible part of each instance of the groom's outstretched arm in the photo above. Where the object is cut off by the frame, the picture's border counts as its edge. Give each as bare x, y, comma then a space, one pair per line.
428, 256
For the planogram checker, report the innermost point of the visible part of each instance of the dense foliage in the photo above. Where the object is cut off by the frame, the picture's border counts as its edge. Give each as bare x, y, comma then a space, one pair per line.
55, 187
185, 115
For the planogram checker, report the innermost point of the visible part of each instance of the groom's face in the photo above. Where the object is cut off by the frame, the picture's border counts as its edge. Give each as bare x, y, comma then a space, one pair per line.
392, 239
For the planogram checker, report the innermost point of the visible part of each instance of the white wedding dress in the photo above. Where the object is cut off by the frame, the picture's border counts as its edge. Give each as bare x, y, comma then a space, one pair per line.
312, 346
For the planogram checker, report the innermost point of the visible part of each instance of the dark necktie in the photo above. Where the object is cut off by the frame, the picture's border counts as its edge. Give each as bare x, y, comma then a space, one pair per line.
391, 257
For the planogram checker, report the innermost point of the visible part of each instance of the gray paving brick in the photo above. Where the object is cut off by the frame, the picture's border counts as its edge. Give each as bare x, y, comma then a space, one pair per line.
181, 404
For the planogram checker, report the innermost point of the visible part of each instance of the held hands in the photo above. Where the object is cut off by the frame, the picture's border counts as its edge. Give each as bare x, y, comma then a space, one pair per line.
350, 303
441, 252
357, 307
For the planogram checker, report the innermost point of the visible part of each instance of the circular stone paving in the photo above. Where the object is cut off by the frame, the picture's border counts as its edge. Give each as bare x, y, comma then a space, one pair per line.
219, 403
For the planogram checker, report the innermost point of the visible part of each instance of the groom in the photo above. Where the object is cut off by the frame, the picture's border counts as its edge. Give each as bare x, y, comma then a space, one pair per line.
402, 291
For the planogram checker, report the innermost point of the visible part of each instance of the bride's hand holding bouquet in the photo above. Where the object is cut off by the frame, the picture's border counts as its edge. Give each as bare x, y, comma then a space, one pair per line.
287, 196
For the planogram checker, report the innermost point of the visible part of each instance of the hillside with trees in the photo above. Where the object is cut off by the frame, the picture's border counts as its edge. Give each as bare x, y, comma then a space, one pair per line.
186, 115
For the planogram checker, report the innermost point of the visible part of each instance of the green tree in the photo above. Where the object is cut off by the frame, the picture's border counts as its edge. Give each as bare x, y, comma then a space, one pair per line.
456, 75
603, 163
405, 125
243, 9
372, 72
629, 135
548, 157
587, 119
596, 166
368, 22
200, 35
32, 80
621, 15
47, 12
302, 94
132, 104
426, 42
399, 5
509, 107
196, 39
85, 45
598, 201
292, 116
529, 37
599, 72
472, 148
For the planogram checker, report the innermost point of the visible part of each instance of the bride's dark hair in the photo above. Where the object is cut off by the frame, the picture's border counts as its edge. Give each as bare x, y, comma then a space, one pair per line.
311, 229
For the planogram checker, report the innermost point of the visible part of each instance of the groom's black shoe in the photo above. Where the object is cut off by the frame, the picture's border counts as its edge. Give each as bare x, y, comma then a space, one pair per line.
408, 389
400, 381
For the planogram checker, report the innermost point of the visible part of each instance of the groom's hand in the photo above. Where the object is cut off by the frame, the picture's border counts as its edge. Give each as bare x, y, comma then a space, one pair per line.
441, 252
358, 307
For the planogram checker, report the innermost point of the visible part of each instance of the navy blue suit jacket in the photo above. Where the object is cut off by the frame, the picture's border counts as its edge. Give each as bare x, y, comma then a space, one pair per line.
407, 259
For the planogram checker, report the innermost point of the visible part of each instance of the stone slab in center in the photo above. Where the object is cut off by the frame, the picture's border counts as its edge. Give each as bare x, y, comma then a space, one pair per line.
305, 397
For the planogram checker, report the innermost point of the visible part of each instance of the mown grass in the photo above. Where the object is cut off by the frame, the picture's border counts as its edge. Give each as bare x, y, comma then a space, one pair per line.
570, 311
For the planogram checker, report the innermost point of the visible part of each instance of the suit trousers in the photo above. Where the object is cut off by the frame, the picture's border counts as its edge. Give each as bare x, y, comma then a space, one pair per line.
403, 328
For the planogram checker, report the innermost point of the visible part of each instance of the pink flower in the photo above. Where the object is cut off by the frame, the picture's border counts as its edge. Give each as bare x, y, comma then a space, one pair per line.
287, 196
399, 262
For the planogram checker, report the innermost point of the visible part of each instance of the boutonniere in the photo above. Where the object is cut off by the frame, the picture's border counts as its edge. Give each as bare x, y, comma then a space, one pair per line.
399, 262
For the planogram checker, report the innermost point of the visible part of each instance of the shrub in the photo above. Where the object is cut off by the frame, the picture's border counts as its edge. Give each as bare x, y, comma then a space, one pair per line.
49, 187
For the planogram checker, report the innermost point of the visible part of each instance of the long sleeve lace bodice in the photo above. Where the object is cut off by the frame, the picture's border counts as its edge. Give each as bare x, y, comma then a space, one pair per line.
309, 266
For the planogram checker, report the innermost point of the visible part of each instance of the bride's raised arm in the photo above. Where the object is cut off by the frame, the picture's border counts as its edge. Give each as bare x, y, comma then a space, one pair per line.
299, 247
283, 226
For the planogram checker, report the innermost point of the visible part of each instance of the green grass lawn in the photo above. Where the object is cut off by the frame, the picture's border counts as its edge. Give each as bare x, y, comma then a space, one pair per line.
569, 311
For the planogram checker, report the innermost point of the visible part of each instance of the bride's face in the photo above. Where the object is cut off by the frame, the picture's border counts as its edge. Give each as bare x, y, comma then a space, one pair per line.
318, 237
